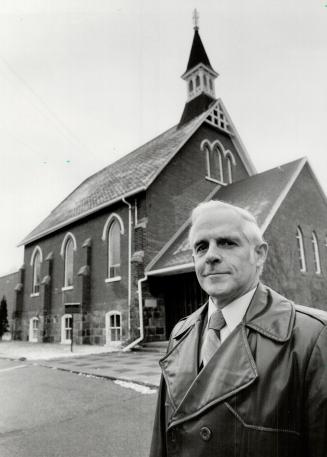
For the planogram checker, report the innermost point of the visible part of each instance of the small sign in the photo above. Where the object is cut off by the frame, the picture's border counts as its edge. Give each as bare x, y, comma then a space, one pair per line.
150, 303
72, 308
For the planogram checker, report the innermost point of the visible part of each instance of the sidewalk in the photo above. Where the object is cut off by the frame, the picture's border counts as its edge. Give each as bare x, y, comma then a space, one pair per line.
137, 366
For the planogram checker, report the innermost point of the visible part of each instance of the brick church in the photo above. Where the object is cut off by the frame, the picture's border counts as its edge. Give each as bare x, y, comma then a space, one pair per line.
112, 262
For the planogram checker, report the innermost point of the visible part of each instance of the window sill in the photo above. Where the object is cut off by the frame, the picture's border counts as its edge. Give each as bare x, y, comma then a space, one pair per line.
116, 278
208, 178
36, 294
67, 288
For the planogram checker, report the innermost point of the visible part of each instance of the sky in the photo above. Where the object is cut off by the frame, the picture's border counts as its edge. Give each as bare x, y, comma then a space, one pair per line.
84, 82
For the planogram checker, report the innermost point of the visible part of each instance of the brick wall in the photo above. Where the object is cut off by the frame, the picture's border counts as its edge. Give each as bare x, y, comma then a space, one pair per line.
304, 206
103, 296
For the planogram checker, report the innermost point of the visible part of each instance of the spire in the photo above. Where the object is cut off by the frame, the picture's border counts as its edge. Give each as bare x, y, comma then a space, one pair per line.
198, 54
199, 77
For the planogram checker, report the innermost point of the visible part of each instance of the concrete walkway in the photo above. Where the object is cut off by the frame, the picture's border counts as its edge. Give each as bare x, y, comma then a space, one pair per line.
140, 367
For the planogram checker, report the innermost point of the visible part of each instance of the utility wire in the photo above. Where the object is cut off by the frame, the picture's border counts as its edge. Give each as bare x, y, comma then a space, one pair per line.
69, 135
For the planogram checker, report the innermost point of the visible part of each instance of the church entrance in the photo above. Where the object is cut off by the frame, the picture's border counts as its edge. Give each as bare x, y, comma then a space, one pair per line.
182, 295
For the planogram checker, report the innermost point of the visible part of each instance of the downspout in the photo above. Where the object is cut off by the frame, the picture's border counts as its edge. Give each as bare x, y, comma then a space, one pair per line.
140, 338
129, 263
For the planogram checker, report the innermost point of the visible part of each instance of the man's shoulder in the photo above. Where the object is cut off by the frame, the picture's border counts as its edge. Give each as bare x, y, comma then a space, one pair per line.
306, 314
314, 313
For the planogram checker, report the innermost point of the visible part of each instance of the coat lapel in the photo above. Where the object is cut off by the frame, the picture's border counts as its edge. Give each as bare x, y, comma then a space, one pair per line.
180, 365
230, 370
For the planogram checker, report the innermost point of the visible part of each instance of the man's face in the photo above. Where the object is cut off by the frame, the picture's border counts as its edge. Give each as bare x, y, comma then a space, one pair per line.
226, 262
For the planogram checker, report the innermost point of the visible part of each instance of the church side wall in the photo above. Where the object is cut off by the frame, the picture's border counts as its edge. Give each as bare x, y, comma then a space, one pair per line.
103, 296
304, 206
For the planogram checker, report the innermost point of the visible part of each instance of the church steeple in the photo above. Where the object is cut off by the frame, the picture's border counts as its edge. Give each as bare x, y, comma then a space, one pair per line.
199, 77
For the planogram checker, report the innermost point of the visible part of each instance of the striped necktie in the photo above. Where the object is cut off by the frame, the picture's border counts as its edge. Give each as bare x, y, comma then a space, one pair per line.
212, 341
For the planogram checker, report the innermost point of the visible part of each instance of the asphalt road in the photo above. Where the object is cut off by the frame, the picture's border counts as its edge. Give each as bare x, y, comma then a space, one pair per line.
51, 413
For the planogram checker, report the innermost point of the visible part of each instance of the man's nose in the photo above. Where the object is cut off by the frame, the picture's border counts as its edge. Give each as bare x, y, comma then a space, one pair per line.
213, 254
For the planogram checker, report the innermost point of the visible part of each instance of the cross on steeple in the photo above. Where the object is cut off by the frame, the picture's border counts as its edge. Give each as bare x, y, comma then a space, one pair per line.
196, 18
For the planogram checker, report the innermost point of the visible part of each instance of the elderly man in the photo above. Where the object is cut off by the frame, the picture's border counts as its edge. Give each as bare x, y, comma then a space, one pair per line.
245, 374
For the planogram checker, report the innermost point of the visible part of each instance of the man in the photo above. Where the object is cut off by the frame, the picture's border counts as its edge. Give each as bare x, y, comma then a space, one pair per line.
246, 374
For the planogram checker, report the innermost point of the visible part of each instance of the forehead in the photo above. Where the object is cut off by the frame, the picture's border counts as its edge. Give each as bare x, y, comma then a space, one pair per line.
217, 222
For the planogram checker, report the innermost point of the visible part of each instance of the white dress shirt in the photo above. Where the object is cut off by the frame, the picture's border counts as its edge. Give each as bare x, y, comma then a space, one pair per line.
233, 314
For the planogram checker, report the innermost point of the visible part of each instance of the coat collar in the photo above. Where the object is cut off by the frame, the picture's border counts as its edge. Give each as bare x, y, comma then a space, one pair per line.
269, 313
232, 368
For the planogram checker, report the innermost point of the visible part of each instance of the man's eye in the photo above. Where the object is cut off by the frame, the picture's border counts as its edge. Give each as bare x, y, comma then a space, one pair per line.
200, 248
227, 242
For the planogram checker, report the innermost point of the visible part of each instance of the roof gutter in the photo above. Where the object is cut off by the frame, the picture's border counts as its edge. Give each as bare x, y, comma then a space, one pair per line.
140, 297
80, 216
185, 267
129, 292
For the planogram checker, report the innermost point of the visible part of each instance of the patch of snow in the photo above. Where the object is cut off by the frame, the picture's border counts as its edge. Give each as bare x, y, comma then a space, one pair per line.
137, 387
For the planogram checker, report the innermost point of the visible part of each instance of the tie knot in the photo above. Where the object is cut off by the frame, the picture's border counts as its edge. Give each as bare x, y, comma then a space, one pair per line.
217, 321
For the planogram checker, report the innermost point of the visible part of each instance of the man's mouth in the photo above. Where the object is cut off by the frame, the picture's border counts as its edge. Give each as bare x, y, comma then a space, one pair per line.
217, 273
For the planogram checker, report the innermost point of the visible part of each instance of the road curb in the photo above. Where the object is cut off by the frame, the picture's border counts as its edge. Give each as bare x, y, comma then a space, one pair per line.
100, 376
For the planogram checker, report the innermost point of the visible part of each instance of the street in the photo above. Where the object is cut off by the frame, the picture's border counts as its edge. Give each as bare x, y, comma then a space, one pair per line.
47, 413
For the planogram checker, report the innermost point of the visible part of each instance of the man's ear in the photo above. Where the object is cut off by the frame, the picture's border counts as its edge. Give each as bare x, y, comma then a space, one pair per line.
261, 251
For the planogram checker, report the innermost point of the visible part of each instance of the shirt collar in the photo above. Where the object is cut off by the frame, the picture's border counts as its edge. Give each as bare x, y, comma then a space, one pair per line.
234, 312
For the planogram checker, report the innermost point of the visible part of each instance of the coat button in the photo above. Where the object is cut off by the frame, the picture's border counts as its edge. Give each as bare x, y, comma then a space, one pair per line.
205, 433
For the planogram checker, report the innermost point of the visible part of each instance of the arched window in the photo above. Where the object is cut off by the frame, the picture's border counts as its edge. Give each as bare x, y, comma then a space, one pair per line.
205, 80
216, 164
197, 81
113, 327
36, 260
69, 263
114, 250
190, 86
210, 84
229, 169
316, 256
36, 273
300, 247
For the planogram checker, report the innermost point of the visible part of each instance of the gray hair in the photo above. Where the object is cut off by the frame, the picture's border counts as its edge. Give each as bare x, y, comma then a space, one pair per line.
250, 225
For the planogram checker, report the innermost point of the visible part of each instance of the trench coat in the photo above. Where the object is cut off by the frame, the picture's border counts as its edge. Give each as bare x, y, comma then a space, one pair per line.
262, 394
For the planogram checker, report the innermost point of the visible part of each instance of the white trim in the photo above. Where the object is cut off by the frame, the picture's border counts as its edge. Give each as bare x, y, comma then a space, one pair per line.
108, 223
199, 66
238, 143
229, 169
35, 294
63, 329
63, 244
185, 266
114, 279
35, 251
301, 251
282, 196
67, 288
316, 254
176, 235
208, 178
228, 154
108, 328
31, 337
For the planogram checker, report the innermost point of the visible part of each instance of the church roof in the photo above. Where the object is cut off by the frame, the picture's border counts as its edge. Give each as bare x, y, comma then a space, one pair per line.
127, 176
261, 194
198, 53
134, 172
